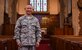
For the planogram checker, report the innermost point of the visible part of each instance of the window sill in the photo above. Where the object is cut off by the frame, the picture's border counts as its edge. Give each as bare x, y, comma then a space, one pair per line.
42, 13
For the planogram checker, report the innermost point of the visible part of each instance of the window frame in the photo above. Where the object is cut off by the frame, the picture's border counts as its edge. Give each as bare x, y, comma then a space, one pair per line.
41, 12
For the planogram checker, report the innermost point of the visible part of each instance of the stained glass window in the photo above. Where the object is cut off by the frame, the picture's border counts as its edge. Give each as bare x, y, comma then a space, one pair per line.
39, 5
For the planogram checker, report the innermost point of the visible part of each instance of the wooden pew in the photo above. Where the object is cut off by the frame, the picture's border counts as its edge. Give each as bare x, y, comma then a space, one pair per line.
7, 43
2, 46
66, 42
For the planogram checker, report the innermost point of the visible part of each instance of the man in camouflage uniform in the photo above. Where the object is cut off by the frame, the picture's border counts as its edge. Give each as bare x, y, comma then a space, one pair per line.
27, 31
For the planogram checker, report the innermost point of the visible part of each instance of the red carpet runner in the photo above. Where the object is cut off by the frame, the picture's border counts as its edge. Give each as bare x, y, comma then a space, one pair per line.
44, 45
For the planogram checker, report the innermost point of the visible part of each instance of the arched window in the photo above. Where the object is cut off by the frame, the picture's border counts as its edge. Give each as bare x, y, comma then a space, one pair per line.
39, 5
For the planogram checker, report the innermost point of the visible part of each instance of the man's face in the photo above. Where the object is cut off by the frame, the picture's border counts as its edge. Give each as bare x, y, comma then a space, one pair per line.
29, 9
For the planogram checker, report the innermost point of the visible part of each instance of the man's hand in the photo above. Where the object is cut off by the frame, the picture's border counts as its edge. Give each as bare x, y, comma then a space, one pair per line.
37, 44
19, 45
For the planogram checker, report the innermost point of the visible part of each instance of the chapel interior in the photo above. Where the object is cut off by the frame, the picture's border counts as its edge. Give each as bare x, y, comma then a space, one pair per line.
60, 21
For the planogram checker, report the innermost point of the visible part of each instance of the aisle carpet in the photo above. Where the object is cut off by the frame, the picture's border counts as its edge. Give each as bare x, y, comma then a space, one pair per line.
44, 45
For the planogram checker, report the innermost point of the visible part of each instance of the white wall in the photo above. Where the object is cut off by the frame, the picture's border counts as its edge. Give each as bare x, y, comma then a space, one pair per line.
21, 5
54, 6
1, 11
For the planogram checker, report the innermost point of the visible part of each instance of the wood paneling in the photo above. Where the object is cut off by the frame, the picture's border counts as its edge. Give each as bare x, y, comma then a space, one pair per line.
80, 18
68, 30
53, 27
8, 29
53, 24
59, 31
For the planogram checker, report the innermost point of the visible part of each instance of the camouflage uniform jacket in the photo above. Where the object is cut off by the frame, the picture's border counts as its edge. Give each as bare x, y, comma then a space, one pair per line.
27, 30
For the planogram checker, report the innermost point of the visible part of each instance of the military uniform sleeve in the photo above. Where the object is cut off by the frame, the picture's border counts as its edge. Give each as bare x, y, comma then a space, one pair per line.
38, 32
17, 31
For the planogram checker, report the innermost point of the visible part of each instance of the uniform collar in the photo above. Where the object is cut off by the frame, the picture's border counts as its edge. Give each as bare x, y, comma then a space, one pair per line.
31, 16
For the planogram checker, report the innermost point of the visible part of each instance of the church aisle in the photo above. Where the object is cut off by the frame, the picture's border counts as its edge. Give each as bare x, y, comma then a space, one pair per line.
44, 45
